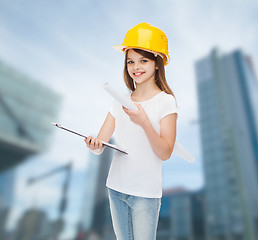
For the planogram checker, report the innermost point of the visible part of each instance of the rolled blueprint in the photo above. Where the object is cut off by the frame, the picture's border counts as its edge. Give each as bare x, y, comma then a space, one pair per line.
122, 99
179, 149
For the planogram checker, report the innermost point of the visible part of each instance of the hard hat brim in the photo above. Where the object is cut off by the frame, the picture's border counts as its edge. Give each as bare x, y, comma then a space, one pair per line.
121, 48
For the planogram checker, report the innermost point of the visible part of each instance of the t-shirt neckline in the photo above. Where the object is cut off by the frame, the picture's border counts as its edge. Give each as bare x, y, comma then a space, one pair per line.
147, 99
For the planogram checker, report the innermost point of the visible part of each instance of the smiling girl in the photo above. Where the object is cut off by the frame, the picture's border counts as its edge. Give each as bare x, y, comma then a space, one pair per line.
135, 180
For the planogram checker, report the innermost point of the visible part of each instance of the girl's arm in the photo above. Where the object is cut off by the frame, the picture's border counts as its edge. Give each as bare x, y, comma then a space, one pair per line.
107, 129
162, 145
105, 133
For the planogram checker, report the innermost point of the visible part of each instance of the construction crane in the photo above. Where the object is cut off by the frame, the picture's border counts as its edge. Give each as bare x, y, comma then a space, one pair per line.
59, 223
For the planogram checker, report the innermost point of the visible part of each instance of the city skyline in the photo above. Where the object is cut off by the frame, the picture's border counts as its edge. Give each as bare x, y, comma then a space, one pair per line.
69, 48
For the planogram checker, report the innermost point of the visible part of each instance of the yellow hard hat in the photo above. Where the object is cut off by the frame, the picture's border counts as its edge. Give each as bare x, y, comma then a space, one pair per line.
147, 37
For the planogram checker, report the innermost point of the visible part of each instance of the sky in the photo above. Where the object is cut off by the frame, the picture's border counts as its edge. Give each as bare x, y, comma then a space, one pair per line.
67, 46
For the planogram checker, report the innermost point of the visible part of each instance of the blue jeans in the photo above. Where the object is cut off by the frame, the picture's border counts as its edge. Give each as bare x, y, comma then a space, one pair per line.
134, 218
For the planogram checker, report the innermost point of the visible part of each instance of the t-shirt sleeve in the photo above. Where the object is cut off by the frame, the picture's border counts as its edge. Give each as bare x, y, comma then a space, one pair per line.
169, 106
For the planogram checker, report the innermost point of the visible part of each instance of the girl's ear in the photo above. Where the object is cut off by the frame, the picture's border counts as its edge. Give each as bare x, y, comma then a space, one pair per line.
157, 67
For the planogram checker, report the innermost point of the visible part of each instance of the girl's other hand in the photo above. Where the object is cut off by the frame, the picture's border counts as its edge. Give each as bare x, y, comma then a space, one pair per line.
138, 117
93, 143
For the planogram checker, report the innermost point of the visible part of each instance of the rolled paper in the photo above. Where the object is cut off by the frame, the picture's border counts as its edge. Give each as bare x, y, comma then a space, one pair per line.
122, 99
179, 149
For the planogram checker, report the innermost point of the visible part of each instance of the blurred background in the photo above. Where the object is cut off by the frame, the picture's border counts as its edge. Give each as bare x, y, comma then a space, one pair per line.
54, 59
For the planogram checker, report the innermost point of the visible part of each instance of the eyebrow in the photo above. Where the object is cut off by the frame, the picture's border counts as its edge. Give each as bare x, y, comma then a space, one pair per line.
131, 58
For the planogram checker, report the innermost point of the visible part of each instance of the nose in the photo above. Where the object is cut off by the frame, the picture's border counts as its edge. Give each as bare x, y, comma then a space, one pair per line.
136, 66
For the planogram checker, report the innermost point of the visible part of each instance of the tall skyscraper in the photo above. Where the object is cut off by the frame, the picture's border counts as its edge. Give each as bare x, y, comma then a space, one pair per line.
6, 188
33, 224
26, 110
165, 228
181, 215
227, 96
7, 180
95, 215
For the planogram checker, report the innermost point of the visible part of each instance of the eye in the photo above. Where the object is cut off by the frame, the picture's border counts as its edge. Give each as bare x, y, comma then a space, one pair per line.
130, 62
144, 61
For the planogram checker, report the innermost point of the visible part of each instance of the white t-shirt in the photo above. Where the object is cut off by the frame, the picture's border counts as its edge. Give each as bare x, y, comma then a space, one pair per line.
140, 172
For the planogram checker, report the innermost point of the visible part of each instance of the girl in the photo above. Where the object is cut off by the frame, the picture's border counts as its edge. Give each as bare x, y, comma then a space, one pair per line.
148, 135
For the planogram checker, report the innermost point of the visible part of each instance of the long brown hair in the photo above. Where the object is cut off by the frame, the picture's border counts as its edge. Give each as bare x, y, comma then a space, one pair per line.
160, 78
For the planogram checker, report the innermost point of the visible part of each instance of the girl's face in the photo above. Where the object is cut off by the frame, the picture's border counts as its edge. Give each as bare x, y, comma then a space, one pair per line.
140, 69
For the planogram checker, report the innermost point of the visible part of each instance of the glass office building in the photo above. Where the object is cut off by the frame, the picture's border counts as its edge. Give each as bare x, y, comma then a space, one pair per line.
7, 179
227, 96
181, 215
26, 110
95, 215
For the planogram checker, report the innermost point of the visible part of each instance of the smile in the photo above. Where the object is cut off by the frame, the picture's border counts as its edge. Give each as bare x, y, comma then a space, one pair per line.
138, 73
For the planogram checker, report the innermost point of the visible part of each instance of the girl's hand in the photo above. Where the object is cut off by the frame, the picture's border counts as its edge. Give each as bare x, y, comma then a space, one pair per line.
93, 143
138, 117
